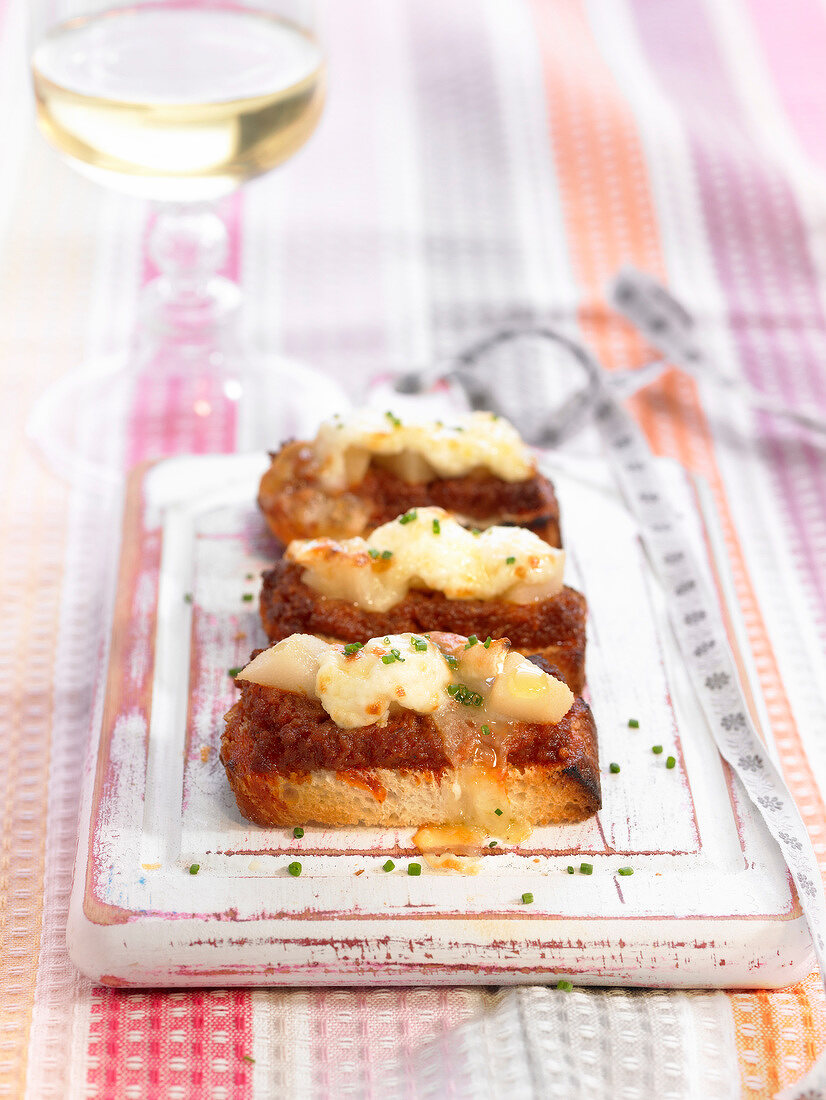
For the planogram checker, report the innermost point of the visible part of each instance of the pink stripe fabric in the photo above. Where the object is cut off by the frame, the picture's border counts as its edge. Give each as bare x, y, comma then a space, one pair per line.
761, 253
189, 1044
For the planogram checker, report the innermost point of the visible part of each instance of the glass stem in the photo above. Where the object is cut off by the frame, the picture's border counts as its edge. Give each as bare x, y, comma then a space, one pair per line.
189, 305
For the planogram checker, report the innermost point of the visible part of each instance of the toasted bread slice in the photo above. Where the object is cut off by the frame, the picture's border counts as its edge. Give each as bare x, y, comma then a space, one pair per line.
289, 763
297, 505
553, 628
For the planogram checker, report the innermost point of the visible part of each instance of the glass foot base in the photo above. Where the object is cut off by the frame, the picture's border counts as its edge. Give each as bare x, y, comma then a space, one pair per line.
100, 421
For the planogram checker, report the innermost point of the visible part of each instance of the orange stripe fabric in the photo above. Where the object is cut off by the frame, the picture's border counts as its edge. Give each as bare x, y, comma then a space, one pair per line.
611, 219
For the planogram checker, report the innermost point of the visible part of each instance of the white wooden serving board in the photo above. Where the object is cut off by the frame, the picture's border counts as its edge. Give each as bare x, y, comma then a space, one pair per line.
710, 902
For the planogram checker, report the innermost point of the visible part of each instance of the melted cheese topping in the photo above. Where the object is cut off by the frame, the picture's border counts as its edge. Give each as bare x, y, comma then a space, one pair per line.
428, 549
473, 692
418, 452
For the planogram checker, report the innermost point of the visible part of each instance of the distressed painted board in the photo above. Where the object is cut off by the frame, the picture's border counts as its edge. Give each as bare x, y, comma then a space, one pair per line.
710, 902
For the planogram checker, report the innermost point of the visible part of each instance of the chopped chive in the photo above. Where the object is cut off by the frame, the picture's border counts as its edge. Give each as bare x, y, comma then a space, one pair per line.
248, 1058
295, 869
471, 642
298, 832
625, 871
250, 576
656, 749
234, 671
395, 653
408, 517
571, 870
633, 724
487, 642
187, 597
247, 597
493, 844
386, 555
586, 868
373, 553
414, 869
388, 659
614, 768
451, 661
394, 420
452, 689
194, 868
477, 531
352, 647
486, 732
437, 527
510, 561
498, 812
566, 987
388, 865
671, 762
527, 899
419, 644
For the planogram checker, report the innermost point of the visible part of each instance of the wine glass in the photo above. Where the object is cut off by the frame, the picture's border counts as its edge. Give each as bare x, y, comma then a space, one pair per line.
178, 101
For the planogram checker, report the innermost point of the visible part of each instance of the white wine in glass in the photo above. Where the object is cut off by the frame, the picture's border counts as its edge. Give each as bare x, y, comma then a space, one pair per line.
179, 101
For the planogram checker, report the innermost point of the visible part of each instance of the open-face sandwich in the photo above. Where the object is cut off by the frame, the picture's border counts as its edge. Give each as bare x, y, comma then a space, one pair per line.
424, 572
362, 471
408, 730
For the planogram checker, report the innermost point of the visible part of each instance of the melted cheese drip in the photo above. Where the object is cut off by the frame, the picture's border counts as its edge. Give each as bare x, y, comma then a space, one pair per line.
431, 551
419, 452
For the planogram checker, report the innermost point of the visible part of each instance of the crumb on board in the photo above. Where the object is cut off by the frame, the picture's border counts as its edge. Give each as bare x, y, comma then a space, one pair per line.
206, 751
361, 872
240, 636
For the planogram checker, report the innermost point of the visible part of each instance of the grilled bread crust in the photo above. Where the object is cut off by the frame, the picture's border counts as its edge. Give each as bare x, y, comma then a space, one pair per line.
289, 764
554, 628
297, 506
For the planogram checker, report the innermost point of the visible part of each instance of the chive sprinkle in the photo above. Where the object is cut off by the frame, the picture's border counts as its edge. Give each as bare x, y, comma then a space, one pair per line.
614, 768
397, 655
247, 597
388, 865
625, 871
298, 832
566, 987
477, 531
295, 869
373, 554
248, 1058
633, 724
498, 812
671, 762
487, 642
187, 597
486, 731
656, 749
451, 661
386, 555
408, 517
414, 869
388, 659
394, 420
586, 868
352, 647
194, 868
510, 561
471, 642
234, 671
250, 576
419, 644
571, 870
493, 844
527, 899
437, 527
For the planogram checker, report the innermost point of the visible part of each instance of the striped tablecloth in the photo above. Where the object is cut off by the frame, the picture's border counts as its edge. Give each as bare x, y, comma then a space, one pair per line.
480, 161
